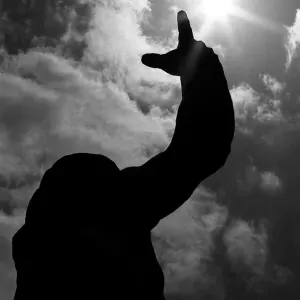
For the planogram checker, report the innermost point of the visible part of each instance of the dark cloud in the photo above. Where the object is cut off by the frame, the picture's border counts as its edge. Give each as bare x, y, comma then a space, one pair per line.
52, 23
7, 268
53, 105
259, 186
6, 203
81, 87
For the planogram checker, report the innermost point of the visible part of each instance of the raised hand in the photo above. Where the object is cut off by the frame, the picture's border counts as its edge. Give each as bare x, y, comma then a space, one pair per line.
205, 120
189, 56
172, 61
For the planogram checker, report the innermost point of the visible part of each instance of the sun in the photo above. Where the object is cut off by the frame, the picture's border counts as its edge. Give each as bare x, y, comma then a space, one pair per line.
217, 10
215, 16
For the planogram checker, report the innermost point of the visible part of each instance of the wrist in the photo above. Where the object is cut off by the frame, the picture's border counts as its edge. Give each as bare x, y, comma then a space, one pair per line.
199, 81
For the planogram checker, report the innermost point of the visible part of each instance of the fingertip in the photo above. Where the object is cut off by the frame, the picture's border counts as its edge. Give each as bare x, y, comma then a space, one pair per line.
182, 15
150, 59
144, 58
183, 20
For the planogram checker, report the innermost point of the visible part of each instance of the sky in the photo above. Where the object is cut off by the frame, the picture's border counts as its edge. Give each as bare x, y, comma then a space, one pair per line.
71, 80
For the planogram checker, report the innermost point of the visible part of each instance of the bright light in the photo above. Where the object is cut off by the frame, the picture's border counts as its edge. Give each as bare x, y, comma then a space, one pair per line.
216, 10
219, 11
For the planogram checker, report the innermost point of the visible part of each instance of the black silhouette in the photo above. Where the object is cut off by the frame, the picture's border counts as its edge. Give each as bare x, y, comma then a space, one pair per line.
87, 232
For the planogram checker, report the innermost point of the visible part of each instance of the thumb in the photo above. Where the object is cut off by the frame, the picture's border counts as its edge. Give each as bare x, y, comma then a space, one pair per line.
152, 60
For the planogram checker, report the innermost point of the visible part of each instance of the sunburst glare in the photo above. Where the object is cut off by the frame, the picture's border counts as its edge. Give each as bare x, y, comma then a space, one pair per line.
220, 11
216, 10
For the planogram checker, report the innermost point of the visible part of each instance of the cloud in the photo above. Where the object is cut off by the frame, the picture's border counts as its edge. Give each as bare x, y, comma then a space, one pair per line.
272, 84
28, 23
108, 41
184, 242
255, 110
258, 187
77, 89
206, 253
245, 100
293, 40
8, 226
82, 88
270, 182
61, 101
53, 103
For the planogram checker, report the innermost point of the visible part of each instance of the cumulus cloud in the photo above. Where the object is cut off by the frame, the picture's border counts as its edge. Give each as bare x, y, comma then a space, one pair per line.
184, 244
79, 88
258, 187
245, 100
8, 227
270, 182
206, 253
272, 84
293, 40
60, 102
52, 105
82, 88
28, 23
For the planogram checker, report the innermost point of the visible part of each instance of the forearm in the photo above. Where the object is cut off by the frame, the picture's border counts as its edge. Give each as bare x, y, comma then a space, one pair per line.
205, 122
161, 185
200, 146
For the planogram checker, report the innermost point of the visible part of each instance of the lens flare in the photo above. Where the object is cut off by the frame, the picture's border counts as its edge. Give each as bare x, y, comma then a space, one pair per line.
216, 10
221, 11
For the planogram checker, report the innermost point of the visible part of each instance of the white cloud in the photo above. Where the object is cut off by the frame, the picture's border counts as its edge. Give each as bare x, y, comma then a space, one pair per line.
253, 178
184, 242
77, 108
109, 41
245, 100
53, 106
293, 40
251, 106
270, 182
247, 245
272, 84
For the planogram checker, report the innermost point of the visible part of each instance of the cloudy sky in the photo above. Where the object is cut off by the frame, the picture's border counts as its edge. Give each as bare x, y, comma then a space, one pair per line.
71, 80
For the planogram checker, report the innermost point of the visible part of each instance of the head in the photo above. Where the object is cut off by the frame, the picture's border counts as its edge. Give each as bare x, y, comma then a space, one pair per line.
65, 187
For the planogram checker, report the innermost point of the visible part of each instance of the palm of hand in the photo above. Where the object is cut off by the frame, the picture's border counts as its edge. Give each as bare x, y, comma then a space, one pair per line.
186, 59
172, 62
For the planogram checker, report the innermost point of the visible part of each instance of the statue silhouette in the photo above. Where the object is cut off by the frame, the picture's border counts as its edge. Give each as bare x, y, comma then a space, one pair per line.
87, 231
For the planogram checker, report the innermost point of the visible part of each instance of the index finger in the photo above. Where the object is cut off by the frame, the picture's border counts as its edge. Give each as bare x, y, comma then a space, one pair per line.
184, 28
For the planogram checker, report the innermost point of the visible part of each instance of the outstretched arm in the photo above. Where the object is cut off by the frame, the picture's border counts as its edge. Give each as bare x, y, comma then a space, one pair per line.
201, 142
